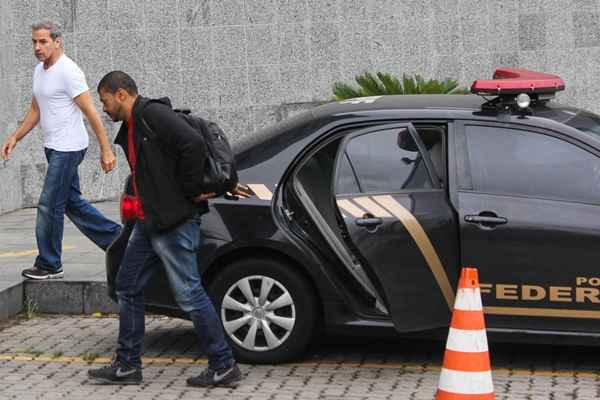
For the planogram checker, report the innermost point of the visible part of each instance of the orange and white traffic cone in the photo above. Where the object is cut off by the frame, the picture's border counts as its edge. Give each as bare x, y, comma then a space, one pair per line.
466, 373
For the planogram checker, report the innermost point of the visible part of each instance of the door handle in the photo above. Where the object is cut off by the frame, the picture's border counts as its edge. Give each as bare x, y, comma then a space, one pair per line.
485, 220
368, 222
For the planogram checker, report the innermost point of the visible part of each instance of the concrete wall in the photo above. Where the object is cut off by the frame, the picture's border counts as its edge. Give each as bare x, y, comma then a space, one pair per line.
237, 61
10, 178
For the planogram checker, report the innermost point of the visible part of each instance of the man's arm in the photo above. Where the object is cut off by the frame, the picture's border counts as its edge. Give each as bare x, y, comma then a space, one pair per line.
107, 157
29, 122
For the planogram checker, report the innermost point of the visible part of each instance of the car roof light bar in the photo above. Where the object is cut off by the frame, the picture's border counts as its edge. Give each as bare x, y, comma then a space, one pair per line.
518, 80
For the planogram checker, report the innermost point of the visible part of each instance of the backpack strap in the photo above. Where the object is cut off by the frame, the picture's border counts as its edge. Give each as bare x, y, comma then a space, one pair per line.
149, 131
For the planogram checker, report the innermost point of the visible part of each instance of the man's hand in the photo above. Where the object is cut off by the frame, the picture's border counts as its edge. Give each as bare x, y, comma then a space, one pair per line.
8, 146
29, 122
203, 197
108, 160
86, 105
242, 191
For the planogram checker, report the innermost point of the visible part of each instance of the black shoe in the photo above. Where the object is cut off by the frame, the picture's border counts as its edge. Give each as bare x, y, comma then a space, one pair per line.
225, 377
116, 374
39, 273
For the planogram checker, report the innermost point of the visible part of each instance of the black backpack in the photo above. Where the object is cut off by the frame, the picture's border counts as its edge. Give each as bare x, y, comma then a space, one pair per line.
220, 175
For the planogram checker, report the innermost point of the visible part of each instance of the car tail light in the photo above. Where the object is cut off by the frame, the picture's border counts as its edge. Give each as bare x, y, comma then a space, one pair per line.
130, 207
518, 80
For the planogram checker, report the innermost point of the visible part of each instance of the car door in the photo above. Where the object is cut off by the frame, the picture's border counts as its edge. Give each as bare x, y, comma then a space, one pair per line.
398, 219
529, 208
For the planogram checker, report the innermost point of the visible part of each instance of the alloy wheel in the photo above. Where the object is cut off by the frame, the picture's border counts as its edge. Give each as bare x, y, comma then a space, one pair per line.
258, 313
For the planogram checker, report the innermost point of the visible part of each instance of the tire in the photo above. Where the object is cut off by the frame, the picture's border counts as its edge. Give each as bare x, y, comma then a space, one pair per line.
296, 317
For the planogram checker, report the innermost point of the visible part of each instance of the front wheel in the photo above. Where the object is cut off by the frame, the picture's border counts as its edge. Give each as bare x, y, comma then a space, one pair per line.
269, 311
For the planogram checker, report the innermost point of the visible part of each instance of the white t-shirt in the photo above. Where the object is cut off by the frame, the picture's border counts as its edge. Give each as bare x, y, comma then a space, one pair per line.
61, 119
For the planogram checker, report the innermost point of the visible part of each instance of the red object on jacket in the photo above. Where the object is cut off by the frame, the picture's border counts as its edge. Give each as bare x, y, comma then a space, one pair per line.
132, 158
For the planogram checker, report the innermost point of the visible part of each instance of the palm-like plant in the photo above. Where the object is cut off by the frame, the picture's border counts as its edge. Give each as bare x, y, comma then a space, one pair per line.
386, 84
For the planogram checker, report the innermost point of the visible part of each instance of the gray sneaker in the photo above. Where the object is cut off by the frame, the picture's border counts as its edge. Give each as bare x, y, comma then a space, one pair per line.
225, 377
116, 373
40, 274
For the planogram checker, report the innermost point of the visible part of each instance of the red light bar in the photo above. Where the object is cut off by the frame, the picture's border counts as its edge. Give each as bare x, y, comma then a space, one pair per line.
518, 80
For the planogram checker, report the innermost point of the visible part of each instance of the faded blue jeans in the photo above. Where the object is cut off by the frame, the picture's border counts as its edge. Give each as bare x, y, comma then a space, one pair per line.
61, 195
176, 248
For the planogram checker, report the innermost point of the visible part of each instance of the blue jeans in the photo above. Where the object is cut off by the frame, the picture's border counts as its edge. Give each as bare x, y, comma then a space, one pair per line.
176, 248
61, 195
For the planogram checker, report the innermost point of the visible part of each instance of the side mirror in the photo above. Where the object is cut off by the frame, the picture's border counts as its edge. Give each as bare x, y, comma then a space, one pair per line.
405, 141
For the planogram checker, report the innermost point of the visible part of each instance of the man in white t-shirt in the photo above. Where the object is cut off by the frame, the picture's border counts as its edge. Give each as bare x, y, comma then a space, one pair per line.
60, 99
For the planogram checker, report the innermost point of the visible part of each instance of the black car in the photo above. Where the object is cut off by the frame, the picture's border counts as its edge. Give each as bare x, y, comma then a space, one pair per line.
366, 209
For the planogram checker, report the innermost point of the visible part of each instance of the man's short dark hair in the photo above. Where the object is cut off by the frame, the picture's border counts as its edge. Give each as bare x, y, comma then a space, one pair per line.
116, 80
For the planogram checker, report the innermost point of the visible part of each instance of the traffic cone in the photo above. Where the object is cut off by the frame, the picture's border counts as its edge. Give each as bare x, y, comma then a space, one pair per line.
466, 373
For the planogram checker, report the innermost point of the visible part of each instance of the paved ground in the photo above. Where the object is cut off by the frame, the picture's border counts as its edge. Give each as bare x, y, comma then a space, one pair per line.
82, 260
47, 358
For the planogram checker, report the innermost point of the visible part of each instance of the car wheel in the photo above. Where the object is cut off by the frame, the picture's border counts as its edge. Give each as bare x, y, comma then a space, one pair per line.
268, 310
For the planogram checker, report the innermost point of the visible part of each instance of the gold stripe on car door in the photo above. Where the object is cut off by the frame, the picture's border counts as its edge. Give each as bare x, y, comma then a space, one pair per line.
262, 191
350, 208
416, 231
541, 312
372, 207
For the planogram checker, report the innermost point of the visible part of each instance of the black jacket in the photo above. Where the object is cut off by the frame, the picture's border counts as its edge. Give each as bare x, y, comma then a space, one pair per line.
170, 163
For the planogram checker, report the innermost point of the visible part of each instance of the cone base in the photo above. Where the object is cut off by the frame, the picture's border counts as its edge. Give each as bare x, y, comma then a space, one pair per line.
443, 395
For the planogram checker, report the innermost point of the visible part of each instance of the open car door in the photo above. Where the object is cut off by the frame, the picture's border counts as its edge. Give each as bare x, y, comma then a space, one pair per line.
399, 220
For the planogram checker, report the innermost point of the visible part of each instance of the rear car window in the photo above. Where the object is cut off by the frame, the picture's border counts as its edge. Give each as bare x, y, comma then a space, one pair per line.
517, 162
382, 162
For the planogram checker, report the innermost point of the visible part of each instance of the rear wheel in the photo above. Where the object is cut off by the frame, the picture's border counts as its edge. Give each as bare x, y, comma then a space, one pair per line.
269, 311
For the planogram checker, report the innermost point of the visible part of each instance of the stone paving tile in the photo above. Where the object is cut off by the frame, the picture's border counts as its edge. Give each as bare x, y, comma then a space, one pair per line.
333, 370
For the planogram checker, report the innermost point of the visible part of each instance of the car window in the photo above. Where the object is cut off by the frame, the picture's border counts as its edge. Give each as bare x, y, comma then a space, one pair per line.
432, 137
384, 161
517, 162
585, 122
346, 178
582, 120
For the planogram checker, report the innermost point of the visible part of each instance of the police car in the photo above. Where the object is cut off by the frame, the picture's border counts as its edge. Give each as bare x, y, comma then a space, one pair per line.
366, 209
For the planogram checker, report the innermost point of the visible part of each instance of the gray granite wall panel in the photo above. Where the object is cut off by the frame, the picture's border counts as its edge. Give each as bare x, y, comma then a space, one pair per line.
324, 10
23, 14
241, 61
295, 82
324, 42
160, 14
194, 12
321, 76
264, 84
263, 44
195, 45
261, 11
532, 31
198, 88
61, 12
124, 15
588, 5
91, 16
229, 46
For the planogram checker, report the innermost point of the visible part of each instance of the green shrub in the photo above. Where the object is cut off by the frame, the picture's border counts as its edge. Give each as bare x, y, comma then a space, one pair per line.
380, 83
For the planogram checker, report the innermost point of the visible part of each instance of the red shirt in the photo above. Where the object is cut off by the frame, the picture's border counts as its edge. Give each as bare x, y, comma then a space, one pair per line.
132, 158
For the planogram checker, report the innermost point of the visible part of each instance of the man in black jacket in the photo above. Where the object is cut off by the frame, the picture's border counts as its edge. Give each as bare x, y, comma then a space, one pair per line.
166, 169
